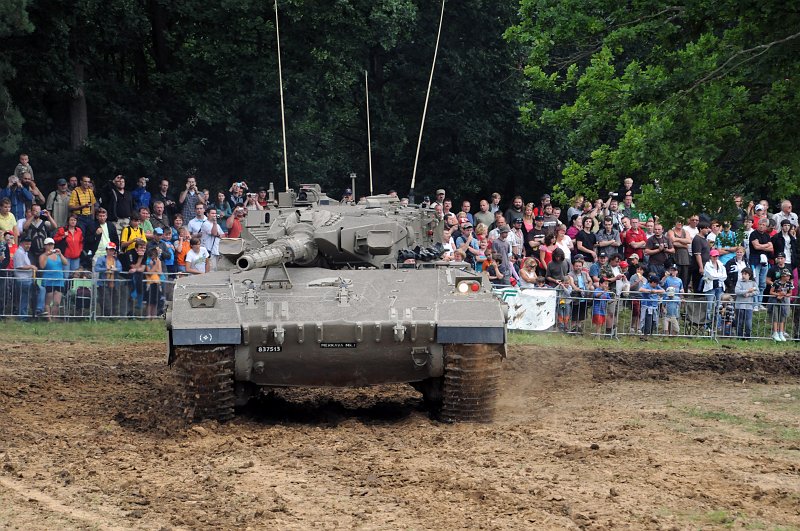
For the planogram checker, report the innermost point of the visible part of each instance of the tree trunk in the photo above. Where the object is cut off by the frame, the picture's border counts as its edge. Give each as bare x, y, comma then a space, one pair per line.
79, 122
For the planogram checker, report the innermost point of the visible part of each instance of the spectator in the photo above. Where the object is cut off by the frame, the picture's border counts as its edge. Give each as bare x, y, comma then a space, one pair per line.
494, 206
700, 255
210, 234
649, 228
99, 234
746, 291
484, 215
177, 223
133, 266
557, 269
18, 195
58, 202
785, 214
550, 221
24, 166
615, 214
234, 222
110, 283
608, 238
581, 284
82, 203
637, 280
633, 264
735, 268
439, 197
546, 250
160, 218
223, 208
527, 273
447, 206
781, 291
130, 236
673, 286
196, 223
543, 202
576, 208
27, 182
600, 307
166, 197
596, 268
51, 264
72, 237
8, 223
467, 243
72, 182
167, 250
152, 281
190, 197
682, 244
761, 250
576, 222
773, 274
118, 203
651, 294
784, 242
263, 201
517, 238
714, 275
197, 258
145, 225
38, 230
141, 197
564, 242
465, 208
182, 248
24, 271
251, 203
659, 249
585, 241
516, 208
627, 208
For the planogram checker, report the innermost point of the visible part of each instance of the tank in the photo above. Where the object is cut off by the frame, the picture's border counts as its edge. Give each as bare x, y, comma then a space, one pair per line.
321, 294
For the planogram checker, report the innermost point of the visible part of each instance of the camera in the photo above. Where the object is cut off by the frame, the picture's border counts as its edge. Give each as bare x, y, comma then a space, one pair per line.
613, 194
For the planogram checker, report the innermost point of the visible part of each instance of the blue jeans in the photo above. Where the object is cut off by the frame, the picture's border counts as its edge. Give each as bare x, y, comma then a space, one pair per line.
744, 322
24, 289
713, 296
760, 276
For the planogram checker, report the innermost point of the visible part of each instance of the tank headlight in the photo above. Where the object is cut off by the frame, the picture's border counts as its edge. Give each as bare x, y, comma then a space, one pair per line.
465, 286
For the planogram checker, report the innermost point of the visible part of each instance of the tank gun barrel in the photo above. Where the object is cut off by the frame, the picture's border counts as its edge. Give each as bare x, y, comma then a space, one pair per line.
298, 248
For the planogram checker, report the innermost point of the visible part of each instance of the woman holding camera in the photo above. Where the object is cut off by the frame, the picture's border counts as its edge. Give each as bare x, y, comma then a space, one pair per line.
51, 265
72, 236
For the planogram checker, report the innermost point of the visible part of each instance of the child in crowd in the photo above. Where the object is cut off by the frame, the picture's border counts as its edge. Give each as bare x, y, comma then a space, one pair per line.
745, 290
673, 286
599, 309
727, 315
637, 280
781, 292
651, 295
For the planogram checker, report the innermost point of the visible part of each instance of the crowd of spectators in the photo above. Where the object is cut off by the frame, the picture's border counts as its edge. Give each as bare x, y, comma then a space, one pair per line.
130, 239
608, 249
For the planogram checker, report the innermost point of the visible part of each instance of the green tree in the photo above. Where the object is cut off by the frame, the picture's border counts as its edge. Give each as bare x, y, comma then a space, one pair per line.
13, 22
695, 100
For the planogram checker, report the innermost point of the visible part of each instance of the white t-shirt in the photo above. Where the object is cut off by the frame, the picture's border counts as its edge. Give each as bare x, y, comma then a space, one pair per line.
197, 260
208, 240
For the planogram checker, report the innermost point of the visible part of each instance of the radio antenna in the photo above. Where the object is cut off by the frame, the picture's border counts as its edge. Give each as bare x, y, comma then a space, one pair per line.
369, 135
283, 115
425, 108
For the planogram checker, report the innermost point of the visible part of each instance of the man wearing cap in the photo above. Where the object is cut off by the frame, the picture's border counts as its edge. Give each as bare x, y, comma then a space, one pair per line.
761, 250
439, 198
58, 202
597, 267
785, 214
517, 237
784, 242
760, 212
467, 243
502, 247
535, 237
347, 197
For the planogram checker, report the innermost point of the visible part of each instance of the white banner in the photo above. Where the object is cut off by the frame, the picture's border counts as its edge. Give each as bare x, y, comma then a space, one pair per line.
529, 309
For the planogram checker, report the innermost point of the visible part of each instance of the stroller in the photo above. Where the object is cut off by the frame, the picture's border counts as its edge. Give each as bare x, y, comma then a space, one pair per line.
694, 305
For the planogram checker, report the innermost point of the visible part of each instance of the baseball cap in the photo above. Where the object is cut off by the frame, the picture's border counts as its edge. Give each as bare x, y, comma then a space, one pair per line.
158, 230
759, 207
780, 255
653, 278
440, 191
348, 191
674, 267
24, 239
602, 255
785, 272
111, 245
466, 225
504, 229
8, 232
785, 222
48, 241
61, 182
634, 255
539, 218
714, 252
546, 196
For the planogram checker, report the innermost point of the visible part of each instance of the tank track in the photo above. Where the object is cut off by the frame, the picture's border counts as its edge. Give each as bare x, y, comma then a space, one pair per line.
206, 377
471, 381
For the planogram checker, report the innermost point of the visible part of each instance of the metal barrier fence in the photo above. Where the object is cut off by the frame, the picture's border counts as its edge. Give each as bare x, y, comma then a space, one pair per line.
86, 295
685, 315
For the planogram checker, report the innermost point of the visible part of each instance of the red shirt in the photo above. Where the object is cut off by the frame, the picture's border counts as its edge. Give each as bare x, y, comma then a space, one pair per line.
74, 242
236, 229
634, 236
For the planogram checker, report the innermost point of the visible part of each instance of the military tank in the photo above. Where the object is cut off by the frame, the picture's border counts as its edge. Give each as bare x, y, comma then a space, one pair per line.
321, 294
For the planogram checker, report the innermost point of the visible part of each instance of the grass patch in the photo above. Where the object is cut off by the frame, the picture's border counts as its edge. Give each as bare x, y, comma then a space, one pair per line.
105, 332
574, 342
758, 424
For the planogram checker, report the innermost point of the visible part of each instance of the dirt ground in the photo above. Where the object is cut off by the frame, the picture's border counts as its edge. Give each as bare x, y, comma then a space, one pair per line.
593, 440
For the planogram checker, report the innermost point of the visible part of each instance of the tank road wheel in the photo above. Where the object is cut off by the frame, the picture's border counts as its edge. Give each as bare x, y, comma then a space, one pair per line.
471, 381
206, 376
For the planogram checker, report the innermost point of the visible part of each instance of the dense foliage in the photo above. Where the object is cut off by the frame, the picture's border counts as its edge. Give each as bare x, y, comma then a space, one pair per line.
168, 88
695, 100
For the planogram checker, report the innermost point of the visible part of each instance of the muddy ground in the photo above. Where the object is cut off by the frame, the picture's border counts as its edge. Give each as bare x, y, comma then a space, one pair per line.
91, 439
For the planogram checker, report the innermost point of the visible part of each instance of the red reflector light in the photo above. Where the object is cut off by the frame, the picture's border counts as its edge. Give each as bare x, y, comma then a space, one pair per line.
475, 287
430, 233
